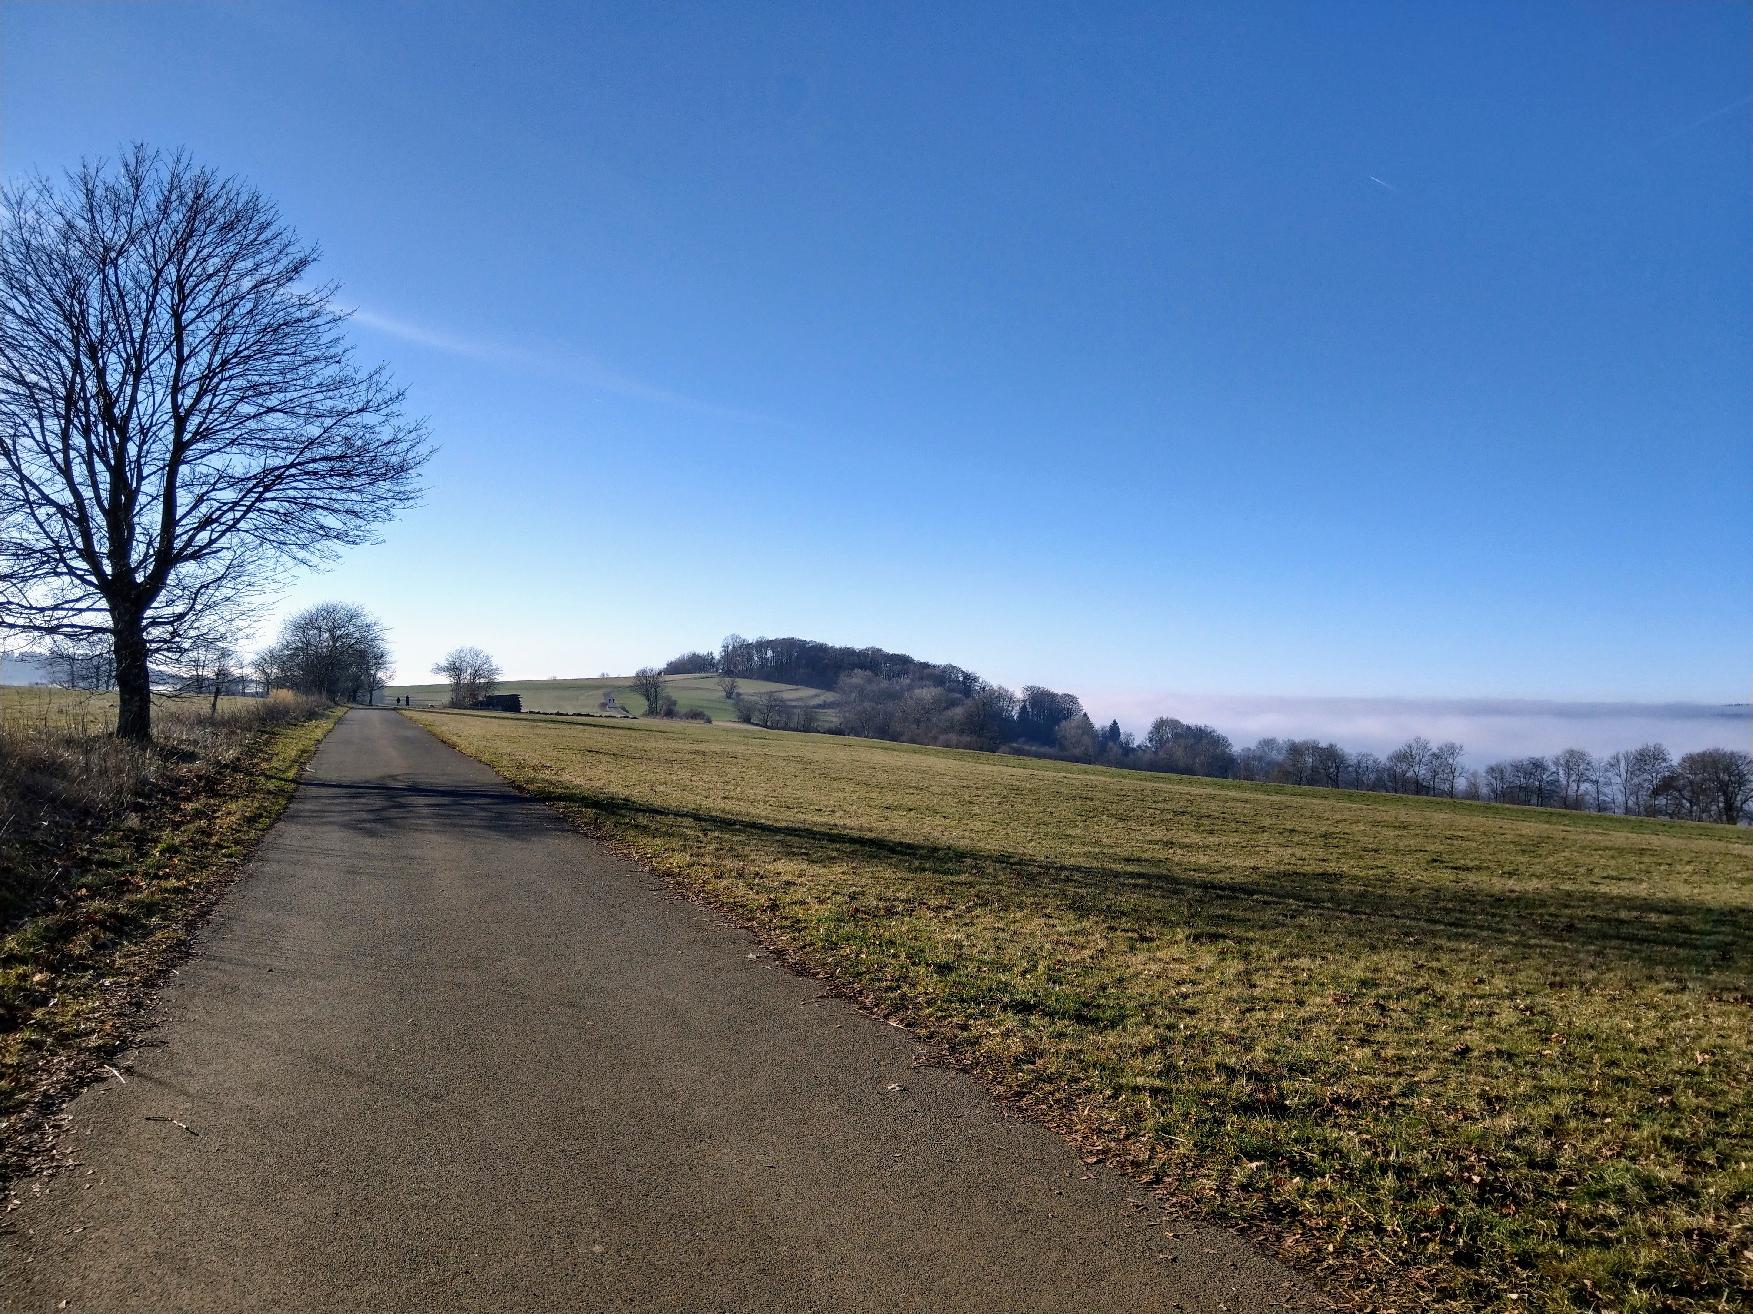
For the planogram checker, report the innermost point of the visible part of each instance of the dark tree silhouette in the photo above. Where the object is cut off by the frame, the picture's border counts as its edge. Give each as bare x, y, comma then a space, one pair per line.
334, 650
648, 684
179, 411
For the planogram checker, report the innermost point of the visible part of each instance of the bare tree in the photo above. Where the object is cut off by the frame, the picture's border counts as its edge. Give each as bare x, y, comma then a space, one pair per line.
1634, 774
472, 673
224, 669
209, 668
1040, 712
648, 684
1713, 784
1409, 766
1296, 764
1532, 781
774, 712
81, 662
1445, 767
1076, 737
206, 668
986, 718
1575, 769
1497, 783
732, 661
334, 650
733, 657
179, 411
1365, 771
1330, 763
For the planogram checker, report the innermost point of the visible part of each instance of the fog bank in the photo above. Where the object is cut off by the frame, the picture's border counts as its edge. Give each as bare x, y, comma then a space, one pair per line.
1489, 728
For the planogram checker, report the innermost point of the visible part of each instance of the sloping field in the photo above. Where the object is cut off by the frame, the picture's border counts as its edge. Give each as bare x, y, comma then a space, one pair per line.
692, 692
1446, 1055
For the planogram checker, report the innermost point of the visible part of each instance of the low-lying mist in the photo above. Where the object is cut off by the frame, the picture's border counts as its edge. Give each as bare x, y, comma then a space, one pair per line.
1488, 728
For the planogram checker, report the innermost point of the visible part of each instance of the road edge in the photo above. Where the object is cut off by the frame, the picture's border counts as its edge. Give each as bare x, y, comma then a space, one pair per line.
124, 1002
1092, 1150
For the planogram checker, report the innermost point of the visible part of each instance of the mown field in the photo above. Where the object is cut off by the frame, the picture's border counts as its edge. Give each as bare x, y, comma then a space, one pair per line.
1441, 1055
692, 693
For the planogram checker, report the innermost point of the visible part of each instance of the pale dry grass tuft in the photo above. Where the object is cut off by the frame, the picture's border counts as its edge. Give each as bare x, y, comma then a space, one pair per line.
63, 773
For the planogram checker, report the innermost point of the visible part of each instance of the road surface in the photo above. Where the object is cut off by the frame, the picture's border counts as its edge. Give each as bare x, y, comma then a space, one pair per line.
437, 1051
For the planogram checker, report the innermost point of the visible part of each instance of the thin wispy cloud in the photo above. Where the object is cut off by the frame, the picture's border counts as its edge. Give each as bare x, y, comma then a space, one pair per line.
579, 368
1708, 117
422, 336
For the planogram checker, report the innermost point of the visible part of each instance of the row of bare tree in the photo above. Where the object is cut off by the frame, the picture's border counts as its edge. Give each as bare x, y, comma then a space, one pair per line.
1712, 784
333, 650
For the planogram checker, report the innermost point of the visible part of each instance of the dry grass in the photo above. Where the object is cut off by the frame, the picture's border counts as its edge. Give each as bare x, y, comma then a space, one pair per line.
1444, 1055
108, 853
63, 774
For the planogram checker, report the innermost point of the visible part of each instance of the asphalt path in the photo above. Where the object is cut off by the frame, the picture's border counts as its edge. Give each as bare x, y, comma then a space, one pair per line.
438, 1051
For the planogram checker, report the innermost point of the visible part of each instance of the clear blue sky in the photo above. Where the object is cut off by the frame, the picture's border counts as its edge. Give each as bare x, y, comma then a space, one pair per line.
1299, 349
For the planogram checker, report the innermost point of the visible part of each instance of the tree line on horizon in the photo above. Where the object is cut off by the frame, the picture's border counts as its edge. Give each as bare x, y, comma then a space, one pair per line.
888, 695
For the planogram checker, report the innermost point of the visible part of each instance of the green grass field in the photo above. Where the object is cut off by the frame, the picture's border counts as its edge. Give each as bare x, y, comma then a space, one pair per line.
1441, 1055
692, 692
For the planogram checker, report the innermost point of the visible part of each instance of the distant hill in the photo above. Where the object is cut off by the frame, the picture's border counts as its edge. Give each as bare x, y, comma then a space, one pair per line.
819, 665
698, 692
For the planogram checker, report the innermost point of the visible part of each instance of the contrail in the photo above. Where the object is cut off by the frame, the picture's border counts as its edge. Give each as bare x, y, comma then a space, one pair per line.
1379, 183
577, 366
1701, 120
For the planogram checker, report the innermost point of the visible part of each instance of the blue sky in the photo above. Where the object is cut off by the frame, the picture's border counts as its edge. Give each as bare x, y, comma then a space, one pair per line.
1283, 349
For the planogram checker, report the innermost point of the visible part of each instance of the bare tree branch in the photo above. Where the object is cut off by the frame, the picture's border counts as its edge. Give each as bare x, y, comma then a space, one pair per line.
180, 413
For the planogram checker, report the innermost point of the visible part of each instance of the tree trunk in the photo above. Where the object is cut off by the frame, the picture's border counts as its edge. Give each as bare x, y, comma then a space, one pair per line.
133, 682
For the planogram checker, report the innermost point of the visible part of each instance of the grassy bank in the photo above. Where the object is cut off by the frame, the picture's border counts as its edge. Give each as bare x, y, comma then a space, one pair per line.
108, 854
1444, 1055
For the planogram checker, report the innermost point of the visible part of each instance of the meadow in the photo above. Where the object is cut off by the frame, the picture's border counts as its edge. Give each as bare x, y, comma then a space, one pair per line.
1440, 1055
698, 693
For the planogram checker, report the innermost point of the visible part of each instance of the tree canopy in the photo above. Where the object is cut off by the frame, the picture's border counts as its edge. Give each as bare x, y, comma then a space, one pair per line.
180, 413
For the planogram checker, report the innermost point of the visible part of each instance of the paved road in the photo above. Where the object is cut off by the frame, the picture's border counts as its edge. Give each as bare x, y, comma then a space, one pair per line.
439, 1052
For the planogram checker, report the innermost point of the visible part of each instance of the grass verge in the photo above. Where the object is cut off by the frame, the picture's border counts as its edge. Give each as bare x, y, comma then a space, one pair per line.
135, 853
1444, 1056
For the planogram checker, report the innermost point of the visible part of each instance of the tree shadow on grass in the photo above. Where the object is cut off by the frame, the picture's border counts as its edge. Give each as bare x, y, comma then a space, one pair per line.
1323, 910
576, 720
